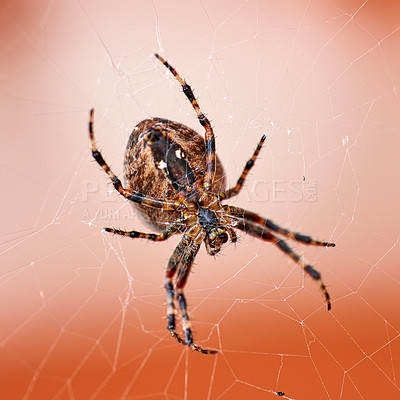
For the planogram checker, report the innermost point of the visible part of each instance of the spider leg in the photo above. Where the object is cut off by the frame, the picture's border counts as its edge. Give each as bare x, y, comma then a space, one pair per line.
155, 237
232, 234
204, 121
128, 194
233, 191
173, 263
268, 224
180, 262
261, 233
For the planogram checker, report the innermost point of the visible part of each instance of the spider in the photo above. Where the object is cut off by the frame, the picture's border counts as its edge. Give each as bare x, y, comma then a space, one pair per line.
177, 182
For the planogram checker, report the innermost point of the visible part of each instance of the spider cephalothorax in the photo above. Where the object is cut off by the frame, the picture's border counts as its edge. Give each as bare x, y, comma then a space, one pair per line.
177, 182
215, 224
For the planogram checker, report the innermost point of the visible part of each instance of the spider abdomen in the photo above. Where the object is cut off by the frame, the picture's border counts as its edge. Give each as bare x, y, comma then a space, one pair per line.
164, 158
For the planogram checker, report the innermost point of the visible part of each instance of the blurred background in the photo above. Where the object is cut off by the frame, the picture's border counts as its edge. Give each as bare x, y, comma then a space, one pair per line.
83, 312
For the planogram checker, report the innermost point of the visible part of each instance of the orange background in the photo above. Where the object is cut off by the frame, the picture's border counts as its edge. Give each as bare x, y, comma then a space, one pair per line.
82, 311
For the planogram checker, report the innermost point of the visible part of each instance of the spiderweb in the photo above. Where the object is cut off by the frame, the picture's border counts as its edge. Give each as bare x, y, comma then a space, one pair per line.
82, 311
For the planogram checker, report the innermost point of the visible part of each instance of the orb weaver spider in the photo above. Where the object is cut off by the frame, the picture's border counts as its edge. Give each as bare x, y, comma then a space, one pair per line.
177, 182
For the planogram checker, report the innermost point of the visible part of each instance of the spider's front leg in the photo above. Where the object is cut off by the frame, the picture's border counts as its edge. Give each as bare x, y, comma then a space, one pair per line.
205, 123
180, 262
233, 191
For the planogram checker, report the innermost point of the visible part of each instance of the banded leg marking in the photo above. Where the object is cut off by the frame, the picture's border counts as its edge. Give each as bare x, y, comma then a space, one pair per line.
128, 194
179, 264
187, 326
173, 264
227, 194
209, 134
270, 225
155, 237
307, 267
260, 232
